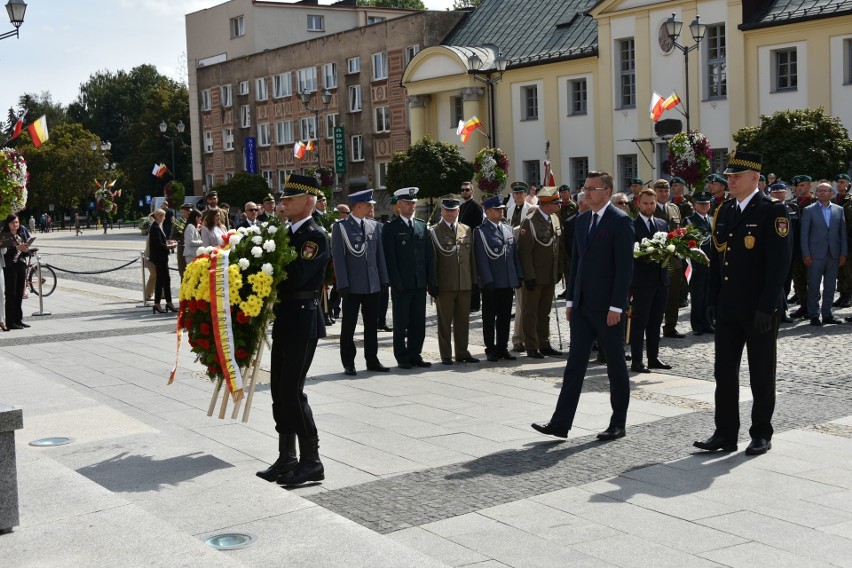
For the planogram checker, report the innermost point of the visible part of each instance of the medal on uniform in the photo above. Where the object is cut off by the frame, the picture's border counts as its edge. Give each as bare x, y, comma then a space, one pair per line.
749, 241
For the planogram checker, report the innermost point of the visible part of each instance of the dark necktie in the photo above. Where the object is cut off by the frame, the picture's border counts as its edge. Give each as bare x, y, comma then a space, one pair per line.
737, 212
650, 226
594, 223
363, 236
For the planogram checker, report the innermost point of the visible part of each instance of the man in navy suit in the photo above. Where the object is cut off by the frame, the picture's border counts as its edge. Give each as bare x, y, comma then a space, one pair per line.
360, 273
824, 251
601, 268
650, 288
499, 270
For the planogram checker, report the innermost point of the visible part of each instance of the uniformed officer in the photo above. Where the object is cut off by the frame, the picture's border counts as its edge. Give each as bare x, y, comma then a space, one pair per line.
700, 281
538, 245
298, 325
567, 214
718, 187
360, 274
670, 213
410, 270
268, 209
499, 272
679, 198
844, 279
636, 185
455, 273
749, 259
778, 192
517, 209
802, 197
384, 295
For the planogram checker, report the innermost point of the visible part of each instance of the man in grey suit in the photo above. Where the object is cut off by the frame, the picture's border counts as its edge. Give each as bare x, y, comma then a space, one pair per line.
360, 272
824, 251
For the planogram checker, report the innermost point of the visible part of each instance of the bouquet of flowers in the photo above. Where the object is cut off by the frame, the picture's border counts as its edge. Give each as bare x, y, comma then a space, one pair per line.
682, 243
690, 155
323, 175
105, 200
490, 168
13, 182
227, 294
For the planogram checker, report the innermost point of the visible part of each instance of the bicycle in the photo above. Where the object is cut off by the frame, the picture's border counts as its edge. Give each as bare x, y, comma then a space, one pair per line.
48, 276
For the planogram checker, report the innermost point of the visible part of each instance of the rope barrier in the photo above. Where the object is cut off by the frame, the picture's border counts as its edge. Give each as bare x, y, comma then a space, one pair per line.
94, 272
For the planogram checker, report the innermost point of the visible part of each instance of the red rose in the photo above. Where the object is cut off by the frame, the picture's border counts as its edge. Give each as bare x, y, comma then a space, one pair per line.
203, 343
692, 243
212, 370
680, 232
671, 235
201, 305
242, 354
205, 328
242, 317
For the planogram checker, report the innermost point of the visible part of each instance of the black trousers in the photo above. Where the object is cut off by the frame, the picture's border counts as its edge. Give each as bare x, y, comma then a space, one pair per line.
699, 286
163, 283
649, 306
586, 325
292, 354
384, 300
496, 316
409, 324
14, 278
731, 337
673, 300
474, 297
368, 306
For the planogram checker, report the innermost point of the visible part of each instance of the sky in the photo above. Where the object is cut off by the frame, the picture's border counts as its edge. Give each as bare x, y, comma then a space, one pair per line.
63, 42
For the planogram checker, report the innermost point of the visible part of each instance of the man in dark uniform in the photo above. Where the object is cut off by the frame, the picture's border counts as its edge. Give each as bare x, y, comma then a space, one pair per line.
748, 263
410, 270
717, 186
802, 197
298, 325
499, 272
470, 214
567, 214
384, 295
778, 192
844, 280
700, 281
517, 209
268, 209
359, 269
679, 198
636, 185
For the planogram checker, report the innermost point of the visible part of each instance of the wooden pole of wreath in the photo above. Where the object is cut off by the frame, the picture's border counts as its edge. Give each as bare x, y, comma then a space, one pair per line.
213, 398
254, 367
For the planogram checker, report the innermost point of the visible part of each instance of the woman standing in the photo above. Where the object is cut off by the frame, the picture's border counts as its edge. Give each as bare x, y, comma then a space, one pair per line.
212, 229
14, 237
160, 248
3, 326
191, 236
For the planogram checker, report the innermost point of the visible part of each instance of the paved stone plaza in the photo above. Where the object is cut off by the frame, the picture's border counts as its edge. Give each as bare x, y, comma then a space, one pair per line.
434, 467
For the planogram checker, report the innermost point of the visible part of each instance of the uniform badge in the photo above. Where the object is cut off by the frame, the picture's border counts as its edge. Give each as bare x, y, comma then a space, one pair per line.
782, 226
309, 250
749, 241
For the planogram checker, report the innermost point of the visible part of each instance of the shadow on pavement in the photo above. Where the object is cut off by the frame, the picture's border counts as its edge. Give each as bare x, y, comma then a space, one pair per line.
130, 474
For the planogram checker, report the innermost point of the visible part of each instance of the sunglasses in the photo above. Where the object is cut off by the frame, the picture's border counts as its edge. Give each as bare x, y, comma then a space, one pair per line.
251, 210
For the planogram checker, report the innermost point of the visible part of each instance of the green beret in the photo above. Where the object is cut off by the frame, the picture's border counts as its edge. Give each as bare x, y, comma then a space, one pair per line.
842, 176
678, 179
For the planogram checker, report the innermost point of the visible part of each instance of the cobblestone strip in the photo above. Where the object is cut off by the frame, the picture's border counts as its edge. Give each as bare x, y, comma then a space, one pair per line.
834, 429
65, 337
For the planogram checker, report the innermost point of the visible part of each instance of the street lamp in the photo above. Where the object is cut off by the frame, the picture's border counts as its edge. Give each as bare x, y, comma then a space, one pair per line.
104, 148
306, 102
16, 10
697, 29
180, 128
474, 68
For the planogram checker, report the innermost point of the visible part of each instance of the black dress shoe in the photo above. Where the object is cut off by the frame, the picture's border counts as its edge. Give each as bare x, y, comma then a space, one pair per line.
550, 430
283, 465
715, 443
385, 328
551, 351
786, 319
405, 365
657, 364
468, 360
378, 367
507, 356
848, 318
519, 348
447, 361
815, 322
800, 313
674, 334
794, 299
328, 321
832, 320
349, 371
612, 433
535, 354
639, 368
492, 358
421, 363
697, 332
628, 357
758, 446
15, 326
22, 324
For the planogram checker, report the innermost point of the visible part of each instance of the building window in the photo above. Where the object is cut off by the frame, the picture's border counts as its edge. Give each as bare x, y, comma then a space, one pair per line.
282, 85
579, 171
532, 172
382, 119
308, 128
847, 62
226, 96
375, 20
330, 123
380, 66
263, 134
785, 67
261, 92
353, 65
529, 103
206, 100
282, 178
578, 101
208, 142
211, 180
355, 98
357, 145
329, 75
245, 116
267, 177
228, 138
381, 175
628, 167
316, 23
717, 73
410, 52
307, 79
238, 27
244, 87
228, 176
627, 71
456, 111
284, 132
718, 160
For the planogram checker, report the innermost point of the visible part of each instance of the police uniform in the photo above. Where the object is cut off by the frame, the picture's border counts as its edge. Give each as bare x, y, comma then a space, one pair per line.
538, 245
360, 275
408, 256
670, 213
455, 273
748, 262
298, 326
700, 280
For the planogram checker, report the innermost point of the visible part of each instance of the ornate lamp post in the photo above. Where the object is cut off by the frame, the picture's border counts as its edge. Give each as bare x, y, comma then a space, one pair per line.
16, 10
306, 102
163, 129
490, 77
697, 29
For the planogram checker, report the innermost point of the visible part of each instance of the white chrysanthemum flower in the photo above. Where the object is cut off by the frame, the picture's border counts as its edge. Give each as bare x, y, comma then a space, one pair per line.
267, 269
272, 229
243, 263
257, 239
269, 246
636, 247
254, 229
264, 224
235, 239
242, 230
256, 252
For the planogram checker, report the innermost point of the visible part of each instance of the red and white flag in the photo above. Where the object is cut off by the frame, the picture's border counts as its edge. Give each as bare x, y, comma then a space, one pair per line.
657, 106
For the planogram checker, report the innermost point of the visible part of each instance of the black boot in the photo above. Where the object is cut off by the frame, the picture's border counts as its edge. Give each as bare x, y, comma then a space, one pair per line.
310, 467
286, 461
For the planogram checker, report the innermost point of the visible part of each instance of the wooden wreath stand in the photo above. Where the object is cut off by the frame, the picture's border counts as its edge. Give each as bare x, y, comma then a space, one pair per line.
251, 369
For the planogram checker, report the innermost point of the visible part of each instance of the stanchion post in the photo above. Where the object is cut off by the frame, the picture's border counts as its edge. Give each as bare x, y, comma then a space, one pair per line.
40, 311
144, 303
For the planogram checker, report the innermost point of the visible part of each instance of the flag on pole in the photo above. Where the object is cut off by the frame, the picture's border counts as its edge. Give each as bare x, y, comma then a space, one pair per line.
18, 127
672, 101
299, 149
159, 170
38, 131
310, 146
657, 106
466, 129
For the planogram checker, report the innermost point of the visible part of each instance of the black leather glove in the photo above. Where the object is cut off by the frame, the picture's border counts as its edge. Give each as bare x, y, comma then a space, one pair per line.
433, 291
530, 284
488, 288
343, 293
762, 322
711, 314
398, 290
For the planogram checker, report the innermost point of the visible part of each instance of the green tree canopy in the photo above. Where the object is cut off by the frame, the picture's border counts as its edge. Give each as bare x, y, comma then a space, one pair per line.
241, 188
405, 4
799, 141
459, 4
437, 168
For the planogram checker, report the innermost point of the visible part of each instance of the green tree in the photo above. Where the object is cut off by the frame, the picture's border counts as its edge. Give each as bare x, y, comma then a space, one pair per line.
799, 141
459, 4
31, 106
404, 4
436, 167
241, 188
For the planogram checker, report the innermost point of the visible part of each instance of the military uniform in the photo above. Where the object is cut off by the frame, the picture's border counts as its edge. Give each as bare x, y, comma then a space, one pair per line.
566, 215
538, 245
670, 213
699, 282
514, 217
844, 279
684, 205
